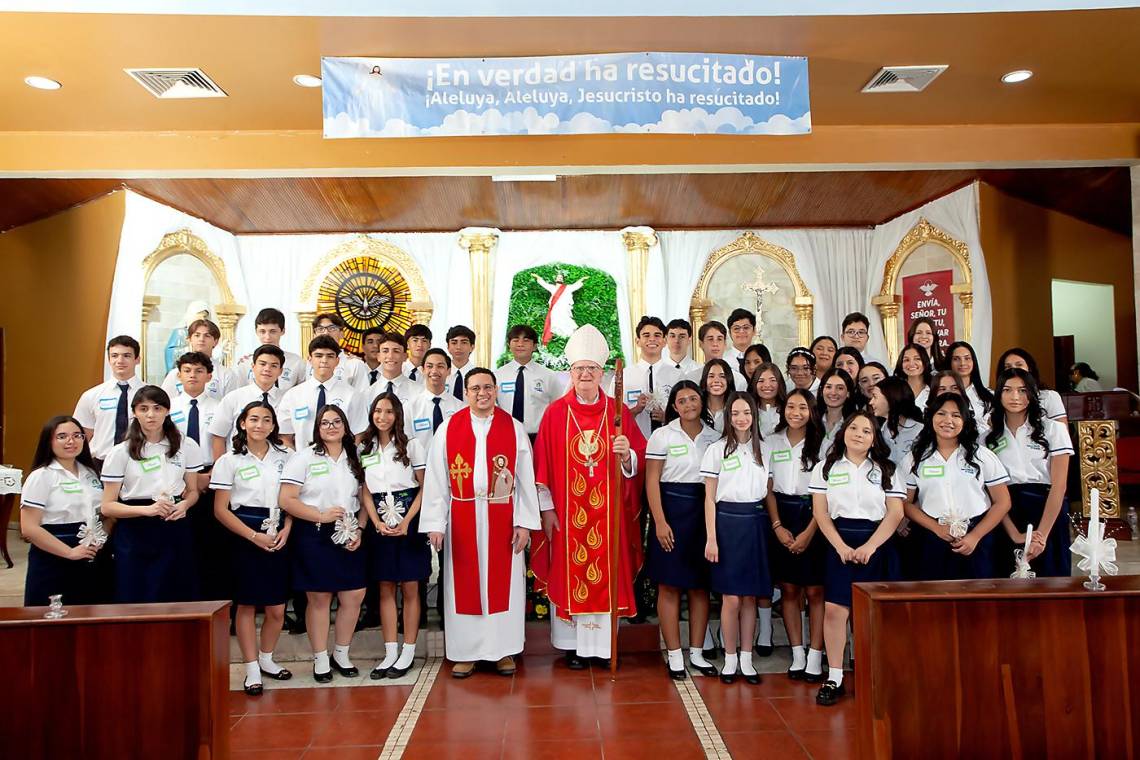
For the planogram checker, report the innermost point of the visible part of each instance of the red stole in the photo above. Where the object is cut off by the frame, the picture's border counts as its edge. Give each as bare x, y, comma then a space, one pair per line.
546, 334
500, 514
576, 565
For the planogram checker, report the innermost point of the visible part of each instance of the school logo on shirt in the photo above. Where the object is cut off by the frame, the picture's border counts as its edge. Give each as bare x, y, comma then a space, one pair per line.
731, 463
249, 473
421, 424
680, 450
1034, 446
1000, 446
151, 464
319, 468
71, 486
784, 455
369, 460
874, 476
838, 479
933, 470
538, 386
970, 470
94, 482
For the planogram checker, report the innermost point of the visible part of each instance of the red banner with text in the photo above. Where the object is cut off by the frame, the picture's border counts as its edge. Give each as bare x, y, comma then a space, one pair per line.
928, 295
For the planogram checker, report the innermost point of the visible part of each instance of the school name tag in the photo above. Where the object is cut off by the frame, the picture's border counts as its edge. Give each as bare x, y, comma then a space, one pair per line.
631, 397
108, 404
301, 413
782, 456
71, 486
319, 468
178, 417
249, 473
933, 470
508, 387
1000, 445
369, 459
421, 424
151, 464
838, 479
680, 450
731, 463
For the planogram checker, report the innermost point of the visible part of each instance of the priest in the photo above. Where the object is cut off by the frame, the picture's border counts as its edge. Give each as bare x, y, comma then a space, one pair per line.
574, 454
479, 507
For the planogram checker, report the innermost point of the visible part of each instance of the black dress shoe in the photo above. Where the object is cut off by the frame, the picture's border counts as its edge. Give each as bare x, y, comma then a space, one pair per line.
829, 694
395, 672
797, 675
708, 670
676, 675
574, 662
728, 678
379, 673
763, 650
322, 677
253, 690
351, 672
710, 653
752, 679
280, 675
819, 677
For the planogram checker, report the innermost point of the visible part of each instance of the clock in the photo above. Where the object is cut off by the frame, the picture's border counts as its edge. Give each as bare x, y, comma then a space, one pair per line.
366, 293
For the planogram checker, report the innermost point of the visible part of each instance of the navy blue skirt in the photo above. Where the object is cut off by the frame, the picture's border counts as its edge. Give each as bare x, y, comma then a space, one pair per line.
79, 581
396, 559
839, 575
804, 569
742, 541
1027, 507
154, 559
937, 561
685, 567
321, 565
260, 578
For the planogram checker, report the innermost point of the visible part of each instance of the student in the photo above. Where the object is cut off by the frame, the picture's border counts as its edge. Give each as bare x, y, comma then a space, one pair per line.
349, 368
742, 331
246, 482
1035, 451
675, 551
768, 391
321, 489
648, 382
103, 410
1084, 379
679, 340
1051, 403
418, 339
298, 408
391, 353
737, 525
150, 484
946, 381
856, 332
823, 348
836, 401
370, 353
269, 327
460, 345
427, 411
850, 360
870, 376
399, 555
901, 420
203, 338
924, 333
266, 371
963, 362
754, 356
801, 369
59, 501
714, 392
712, 338
914, 367
956, 494
798, 554
857, 501
526, 387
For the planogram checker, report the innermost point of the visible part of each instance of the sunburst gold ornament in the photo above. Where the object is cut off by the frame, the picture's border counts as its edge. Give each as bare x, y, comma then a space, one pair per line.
366, 294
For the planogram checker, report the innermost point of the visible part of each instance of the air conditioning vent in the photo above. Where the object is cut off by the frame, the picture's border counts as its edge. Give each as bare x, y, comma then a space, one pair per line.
174, 84
903, 78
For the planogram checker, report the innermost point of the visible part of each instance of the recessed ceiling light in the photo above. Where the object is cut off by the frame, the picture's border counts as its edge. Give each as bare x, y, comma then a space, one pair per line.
42, 83
307, 80
1014, 77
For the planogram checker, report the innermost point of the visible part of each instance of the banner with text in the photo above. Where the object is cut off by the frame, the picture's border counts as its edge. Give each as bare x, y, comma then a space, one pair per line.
677, 93
928, 295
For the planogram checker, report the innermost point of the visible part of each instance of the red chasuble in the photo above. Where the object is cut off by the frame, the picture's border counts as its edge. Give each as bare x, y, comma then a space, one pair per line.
572, 457
500, 513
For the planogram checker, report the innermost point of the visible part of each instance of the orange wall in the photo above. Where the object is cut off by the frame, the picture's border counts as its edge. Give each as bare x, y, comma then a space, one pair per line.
54, 298
1026, 247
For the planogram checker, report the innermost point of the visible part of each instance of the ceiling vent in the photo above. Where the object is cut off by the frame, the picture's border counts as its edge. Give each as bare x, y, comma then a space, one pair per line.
176, 84
903, 78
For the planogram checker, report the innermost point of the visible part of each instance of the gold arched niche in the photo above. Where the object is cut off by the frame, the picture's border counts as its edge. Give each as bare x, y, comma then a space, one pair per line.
889, 301
751, 243
363, 245
227, 313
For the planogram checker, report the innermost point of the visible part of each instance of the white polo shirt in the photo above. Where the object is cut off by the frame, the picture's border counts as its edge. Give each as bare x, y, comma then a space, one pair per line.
785, 465
681, 455
856, 491
325, 482
156, 473
291, 374
207, 410
419, 414
541, 389
1026, 460
252, 482
409, 367
900, 444
221, 382
739, 477
62, 497
350, 368
382, 473
298, 409
96, 411
462, 372
404, 388
226, 413
636, 381
954, 484
769, 419
1052, 404
684, 367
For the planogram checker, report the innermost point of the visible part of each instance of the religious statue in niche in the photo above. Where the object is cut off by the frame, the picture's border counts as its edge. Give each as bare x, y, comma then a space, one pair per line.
559, 309
178, 343
366, 293
760, 283
760, 288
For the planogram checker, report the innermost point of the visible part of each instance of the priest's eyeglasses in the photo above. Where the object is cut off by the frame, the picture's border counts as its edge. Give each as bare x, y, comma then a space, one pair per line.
589, 369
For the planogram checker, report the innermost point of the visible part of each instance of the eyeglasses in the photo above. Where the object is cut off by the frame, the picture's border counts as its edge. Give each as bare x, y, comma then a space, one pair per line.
588, 370
855, 333
331, 424
322, 329
65, 437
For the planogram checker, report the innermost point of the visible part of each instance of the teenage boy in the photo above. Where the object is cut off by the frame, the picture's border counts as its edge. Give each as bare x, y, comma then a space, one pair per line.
649, 381
418, 338
203, 338
104, 411
856, 332
679, 342
350, 367
193, 409
299, 406
266, 372
435, 403
390, 353
741, 331
460, 344
269, 326
526, 387
712, 336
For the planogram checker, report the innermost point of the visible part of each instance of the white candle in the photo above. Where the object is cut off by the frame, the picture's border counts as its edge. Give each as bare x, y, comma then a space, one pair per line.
1028, 540
1094, 529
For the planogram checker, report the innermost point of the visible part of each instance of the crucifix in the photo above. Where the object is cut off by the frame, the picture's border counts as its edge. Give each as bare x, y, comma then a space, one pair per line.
759, 288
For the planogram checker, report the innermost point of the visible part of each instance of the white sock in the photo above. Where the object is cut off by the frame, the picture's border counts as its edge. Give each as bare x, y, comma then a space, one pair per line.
814, 661
764, 629
746, 664
266, 663
321, 662
729, 665
252, 673
709, 643
676, 659
340, 654
835, 674
697, 658
407, 654
391, 652
798, 658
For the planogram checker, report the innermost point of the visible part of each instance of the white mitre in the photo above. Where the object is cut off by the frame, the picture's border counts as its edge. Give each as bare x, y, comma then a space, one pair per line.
587, 344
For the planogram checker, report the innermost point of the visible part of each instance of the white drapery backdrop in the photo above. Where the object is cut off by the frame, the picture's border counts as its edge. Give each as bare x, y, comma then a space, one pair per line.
843, 268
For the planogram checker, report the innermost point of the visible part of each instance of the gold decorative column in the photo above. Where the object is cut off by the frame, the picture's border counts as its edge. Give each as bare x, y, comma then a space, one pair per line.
305, 322
805, 320
479, 242
421, 312
638, 241
228, 315
149, 304
698, 312
1096, 446
966, 298
889, 312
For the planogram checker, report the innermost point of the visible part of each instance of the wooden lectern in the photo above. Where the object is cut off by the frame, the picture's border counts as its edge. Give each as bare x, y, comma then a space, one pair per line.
998, 668
115, 681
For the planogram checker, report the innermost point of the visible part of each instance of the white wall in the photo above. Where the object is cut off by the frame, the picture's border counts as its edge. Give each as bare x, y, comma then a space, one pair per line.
1085, 311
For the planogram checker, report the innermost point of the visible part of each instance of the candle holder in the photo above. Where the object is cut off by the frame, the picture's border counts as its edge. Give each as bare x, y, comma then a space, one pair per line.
55, 607
1097, 552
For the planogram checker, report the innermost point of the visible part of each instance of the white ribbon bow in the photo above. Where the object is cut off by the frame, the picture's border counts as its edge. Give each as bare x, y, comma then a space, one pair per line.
91, 533
390, 511
1097, 552
344, 530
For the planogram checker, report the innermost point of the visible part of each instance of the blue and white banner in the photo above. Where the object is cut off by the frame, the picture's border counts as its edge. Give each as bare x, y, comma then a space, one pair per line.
677, 93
